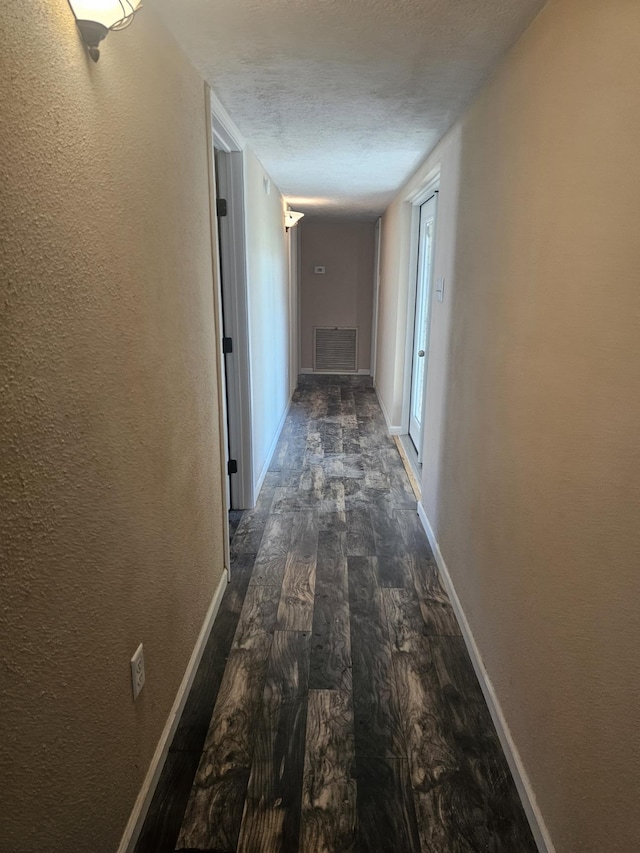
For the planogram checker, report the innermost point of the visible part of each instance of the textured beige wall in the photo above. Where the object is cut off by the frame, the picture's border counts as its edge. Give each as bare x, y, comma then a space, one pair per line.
269, 323
393, 301
343, 296
532, 485
110, 517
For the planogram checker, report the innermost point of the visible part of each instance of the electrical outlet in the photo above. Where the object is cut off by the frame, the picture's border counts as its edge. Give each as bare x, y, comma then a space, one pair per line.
137, 671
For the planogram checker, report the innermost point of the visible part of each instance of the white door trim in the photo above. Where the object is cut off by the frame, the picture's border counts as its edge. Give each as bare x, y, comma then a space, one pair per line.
426, 189
423, 300
376, 295
294, 310
217, 311
228, 141
226, 135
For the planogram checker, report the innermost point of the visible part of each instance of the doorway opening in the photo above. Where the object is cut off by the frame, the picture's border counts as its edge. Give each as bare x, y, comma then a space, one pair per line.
421, 323
230, 213
425, 210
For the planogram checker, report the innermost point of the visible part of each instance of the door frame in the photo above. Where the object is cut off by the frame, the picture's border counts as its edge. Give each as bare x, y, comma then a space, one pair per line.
217, 323
376, 298
228, 143
428, 187
293, 237
422, 313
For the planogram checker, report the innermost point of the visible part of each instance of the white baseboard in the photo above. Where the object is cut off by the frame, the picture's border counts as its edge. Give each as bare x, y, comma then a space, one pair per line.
520, 777
393, 430
143, 801
272, 450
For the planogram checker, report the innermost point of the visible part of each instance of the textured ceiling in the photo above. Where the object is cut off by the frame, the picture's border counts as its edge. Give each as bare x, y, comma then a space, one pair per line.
342, 100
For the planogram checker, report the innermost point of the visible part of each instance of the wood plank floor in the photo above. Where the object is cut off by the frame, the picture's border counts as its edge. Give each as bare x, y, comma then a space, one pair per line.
335, 709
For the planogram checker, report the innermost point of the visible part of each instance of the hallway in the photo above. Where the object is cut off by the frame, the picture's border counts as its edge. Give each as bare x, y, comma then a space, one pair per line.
347, 716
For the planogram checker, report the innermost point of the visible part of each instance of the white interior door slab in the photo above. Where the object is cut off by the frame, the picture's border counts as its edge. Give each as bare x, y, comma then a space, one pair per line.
420, 350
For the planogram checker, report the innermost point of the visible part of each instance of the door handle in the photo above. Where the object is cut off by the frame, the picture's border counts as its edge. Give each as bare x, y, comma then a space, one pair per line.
421, 353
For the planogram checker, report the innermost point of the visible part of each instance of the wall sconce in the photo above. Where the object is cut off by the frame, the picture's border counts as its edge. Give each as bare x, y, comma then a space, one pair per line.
96, 18
291, 218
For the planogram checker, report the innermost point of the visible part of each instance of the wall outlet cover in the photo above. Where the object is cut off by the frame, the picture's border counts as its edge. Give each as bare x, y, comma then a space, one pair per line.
137, 671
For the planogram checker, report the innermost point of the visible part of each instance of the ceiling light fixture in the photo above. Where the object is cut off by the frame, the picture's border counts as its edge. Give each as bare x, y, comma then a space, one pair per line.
96, 18
291, 218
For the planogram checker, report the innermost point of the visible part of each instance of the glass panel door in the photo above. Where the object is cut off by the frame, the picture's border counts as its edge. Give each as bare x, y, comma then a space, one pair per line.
421, 322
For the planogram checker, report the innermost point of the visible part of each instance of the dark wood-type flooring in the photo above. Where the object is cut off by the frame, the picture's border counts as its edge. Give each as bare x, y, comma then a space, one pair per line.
335, 709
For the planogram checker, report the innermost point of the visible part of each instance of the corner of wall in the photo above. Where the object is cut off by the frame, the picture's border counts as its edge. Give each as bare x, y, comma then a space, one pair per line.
392, 428
520, 776
141, 806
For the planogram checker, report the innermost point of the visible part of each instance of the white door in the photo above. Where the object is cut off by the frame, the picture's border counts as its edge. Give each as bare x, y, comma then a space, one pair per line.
229, 172
421, 322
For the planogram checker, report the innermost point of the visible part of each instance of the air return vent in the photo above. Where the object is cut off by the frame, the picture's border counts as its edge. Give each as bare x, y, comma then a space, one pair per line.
335, 349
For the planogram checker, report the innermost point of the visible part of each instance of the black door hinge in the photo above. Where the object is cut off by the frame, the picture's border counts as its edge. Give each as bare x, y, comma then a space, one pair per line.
232, 466
221, 206
227, 345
